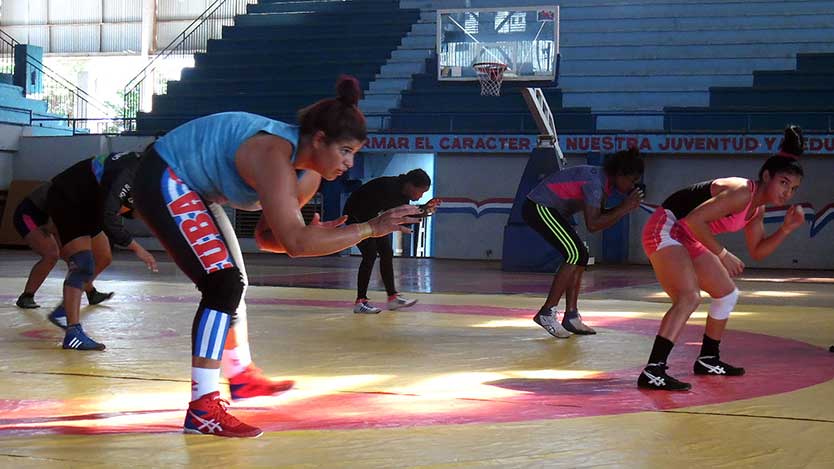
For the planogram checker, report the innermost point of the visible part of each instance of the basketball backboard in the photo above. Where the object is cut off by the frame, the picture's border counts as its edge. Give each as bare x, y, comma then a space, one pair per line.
526, 39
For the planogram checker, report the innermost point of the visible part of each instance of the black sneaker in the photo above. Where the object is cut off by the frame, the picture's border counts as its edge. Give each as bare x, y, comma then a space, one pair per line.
95, 297
654, 377
711, 365
27, 301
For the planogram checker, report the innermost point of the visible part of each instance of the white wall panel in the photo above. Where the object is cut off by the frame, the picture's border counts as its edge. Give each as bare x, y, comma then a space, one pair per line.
74, 39
23, 12
122, 11
181, 9
121, 37
74, 11
94, 26
168, 30
33, 34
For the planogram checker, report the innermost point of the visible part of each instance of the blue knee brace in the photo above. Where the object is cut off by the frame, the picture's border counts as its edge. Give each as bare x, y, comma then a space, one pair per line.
82, 267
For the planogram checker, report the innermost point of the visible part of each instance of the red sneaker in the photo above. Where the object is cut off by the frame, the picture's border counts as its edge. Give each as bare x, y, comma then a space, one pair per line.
207, 416
251, 383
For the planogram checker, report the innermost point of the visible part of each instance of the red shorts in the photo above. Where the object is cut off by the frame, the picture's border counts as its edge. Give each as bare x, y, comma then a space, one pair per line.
664, 230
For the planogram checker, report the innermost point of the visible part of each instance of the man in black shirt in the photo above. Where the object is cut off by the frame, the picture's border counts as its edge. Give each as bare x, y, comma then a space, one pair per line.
367, 202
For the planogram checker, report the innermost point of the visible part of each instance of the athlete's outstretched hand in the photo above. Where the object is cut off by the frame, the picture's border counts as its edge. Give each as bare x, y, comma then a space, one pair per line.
394, 219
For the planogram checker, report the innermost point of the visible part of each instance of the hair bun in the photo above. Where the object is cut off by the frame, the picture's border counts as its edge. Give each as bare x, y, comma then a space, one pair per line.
793, 142
348, 91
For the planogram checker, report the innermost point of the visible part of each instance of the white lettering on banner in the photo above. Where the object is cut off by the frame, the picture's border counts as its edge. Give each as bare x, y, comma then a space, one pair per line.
671, 143
451, 143
721, 144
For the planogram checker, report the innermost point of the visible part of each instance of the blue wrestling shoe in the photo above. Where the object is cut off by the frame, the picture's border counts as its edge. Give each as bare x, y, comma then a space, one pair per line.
58, 316
78, 340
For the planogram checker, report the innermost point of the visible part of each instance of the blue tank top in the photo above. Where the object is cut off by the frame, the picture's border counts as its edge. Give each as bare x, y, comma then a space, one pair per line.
202, 153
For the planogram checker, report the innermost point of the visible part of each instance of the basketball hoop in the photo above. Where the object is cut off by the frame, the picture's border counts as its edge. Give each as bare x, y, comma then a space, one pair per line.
491, 75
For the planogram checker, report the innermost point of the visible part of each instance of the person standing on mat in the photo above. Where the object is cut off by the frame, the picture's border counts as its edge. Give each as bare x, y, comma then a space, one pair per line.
550, 206
363, 204
249, 162
86, 201
680, 242
31, 221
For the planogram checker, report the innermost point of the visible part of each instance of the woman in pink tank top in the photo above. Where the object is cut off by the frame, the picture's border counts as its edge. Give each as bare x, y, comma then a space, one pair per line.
680, 241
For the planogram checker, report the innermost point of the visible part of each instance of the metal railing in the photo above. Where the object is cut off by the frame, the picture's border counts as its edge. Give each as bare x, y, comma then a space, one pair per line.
6, 53
61, 95
82, 126
193, 39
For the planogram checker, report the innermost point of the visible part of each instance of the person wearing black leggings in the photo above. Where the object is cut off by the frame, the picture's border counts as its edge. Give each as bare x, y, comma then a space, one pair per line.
374, 197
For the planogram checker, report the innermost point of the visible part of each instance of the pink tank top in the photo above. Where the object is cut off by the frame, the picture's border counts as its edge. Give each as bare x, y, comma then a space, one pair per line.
735, 221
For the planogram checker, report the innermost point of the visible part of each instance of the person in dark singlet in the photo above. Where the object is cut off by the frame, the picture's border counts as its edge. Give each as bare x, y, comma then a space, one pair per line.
249, 162
679, 239
86, 203
31, 221
550, 206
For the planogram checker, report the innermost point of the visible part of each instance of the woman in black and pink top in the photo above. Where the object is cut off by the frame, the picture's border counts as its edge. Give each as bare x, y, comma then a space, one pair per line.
680, 241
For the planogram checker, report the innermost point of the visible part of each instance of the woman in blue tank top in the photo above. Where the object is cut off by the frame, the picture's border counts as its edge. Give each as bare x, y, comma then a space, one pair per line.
249, 162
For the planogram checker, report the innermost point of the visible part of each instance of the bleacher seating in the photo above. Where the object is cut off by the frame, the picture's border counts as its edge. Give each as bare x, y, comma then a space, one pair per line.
803, 96
282, 56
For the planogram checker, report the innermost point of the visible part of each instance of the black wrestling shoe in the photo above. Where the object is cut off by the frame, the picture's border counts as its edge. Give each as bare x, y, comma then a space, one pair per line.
711, 365
654, 377
95, 297
27, 301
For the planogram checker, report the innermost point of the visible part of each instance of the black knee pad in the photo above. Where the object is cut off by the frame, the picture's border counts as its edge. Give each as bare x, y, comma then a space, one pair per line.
222, 290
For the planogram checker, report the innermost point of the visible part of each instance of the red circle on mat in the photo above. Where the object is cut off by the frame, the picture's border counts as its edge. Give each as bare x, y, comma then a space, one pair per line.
770, 362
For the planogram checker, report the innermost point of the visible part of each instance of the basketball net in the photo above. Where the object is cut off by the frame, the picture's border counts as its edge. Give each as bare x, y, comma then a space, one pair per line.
491, 75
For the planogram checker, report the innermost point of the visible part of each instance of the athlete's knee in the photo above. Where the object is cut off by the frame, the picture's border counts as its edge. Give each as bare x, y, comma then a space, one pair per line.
81, 269
720, 308
386, 255
222, 290
51, 255
689, 299
103, 260
369, 257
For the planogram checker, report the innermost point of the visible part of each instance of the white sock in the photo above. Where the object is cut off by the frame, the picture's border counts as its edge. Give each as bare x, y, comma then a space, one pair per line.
236, 360
204, 381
